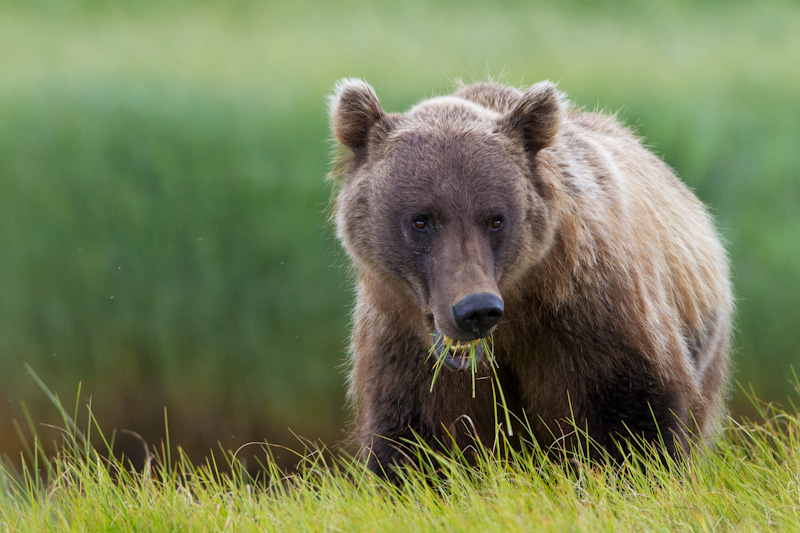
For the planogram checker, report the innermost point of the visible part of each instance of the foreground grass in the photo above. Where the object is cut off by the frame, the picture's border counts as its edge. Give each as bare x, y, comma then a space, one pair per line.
750, 482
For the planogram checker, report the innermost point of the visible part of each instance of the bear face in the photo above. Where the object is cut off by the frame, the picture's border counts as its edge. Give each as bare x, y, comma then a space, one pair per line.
446, 199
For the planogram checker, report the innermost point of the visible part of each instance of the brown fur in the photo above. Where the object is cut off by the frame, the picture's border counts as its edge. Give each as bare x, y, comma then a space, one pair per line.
614, 282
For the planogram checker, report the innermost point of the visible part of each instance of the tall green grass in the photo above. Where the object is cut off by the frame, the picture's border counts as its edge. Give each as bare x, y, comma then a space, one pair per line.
749, 482
170, 250
163, 236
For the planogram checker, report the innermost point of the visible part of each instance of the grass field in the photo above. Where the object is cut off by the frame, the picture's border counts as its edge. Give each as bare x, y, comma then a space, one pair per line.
751, 482
163, 237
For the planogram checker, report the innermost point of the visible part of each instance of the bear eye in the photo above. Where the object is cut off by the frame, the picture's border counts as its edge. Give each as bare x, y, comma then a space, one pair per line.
496, 223
420, 224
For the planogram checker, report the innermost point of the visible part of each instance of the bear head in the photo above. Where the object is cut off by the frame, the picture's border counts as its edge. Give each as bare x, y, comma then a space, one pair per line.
452, 201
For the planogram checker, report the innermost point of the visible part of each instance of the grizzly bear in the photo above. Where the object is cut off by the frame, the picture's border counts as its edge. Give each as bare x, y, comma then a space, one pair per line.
496, 212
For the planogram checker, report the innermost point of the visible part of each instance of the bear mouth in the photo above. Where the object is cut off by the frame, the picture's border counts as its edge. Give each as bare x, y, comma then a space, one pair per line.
461, 354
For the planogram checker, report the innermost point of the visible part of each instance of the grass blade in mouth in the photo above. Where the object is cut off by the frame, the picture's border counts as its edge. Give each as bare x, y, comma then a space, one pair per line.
442, 347
446, 343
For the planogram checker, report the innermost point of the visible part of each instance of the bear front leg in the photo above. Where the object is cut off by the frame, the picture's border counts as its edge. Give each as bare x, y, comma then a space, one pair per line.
640, 406
387, 385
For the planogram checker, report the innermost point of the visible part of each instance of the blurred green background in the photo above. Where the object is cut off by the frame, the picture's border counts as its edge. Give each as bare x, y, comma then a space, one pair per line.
163, 236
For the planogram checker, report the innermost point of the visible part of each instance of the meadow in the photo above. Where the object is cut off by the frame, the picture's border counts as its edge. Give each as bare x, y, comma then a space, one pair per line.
164, 239
750, 482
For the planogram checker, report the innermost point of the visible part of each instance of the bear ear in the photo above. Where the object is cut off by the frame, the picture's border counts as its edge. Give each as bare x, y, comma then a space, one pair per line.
536, 116
354, 109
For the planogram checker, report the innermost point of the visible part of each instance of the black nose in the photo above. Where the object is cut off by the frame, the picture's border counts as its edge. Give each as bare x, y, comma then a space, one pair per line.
478, 313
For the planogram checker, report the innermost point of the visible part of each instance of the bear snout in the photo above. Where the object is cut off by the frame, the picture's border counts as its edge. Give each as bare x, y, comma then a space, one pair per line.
478, 313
